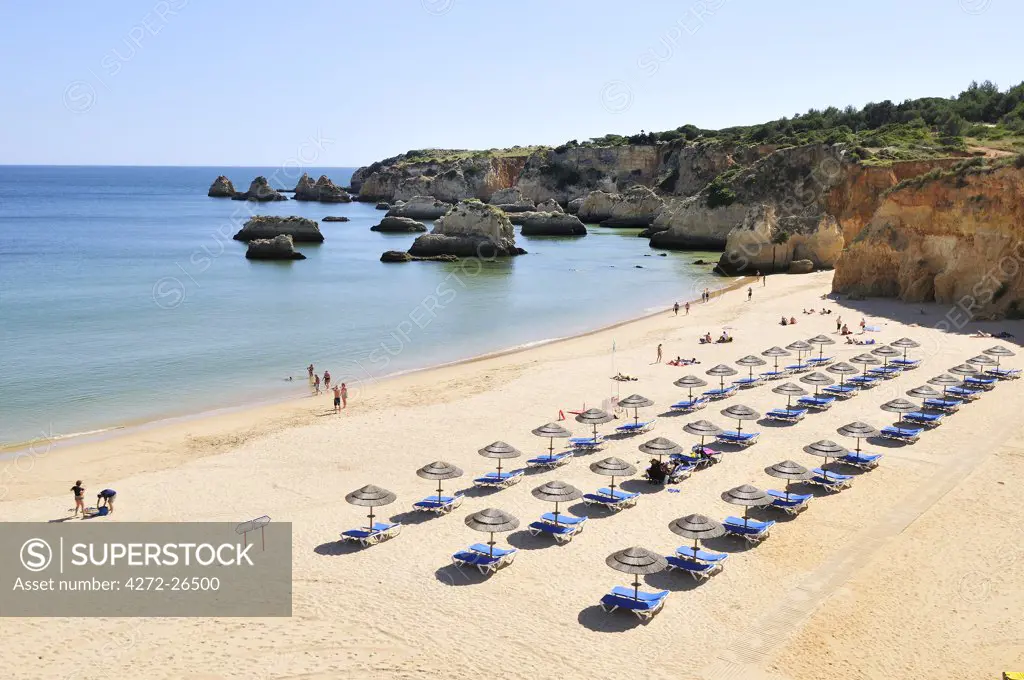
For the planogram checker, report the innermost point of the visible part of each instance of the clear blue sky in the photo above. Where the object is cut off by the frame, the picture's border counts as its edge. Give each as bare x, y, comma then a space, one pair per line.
197, 82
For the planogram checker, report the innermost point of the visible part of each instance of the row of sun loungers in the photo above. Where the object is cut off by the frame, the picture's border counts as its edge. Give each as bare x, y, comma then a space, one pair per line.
488, 559
380, 531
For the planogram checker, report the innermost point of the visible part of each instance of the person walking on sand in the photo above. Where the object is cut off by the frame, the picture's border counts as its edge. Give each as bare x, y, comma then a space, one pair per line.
658, 360
344, 396
327, 380
316, 384
675, 308
337, 399
79, 492
687, 308
750, 293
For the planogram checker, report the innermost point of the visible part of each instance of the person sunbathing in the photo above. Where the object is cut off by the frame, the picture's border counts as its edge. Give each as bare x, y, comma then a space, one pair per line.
792, 320
724, 338
622, 377
706, 339
783, 322
846, 330
683, 362
655, 474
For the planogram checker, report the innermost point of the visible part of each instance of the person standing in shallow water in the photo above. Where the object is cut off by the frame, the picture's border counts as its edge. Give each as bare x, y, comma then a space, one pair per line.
316, 384
327, 380
337, 398
675, 308
309, 369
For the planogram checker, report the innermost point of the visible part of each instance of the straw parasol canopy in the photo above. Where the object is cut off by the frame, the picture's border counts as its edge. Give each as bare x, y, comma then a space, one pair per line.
440, 471
595, 417
739, 413
557, 492
821, 341
857, 430
924, 392
799, 346
721, 370
775, 353
500, 451
750, 361
865, 360
370, 496
689, 382
842, 369
660, 447
702, 428
613, 467
905, 344
492, 521
964, 369
982, 360
900, 406
789, 390
826, 448
886, 353
635, 402
748, 497
999, 352
552, 431
790, 471
636, 561
817, 379
945, 381
696, 528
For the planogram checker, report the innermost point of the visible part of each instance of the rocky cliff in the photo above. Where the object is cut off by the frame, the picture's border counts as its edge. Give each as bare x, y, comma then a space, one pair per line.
323, 190
635, 207
955, 237
448, 179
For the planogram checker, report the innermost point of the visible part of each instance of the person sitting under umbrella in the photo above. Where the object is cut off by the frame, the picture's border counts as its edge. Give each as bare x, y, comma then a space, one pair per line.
656, 472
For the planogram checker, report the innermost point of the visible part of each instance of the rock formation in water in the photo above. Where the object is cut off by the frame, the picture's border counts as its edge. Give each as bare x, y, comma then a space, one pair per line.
399, 225
221, 188
551, 224
955, 237
450, 179
280, 247
323, 190
301, 230
383, 206
635, 207
512, 201
550, 205
402, 256
333, 218
469, 229
420, 208
261, 191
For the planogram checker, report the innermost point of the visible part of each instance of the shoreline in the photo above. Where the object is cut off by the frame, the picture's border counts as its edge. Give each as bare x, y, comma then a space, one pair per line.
14, 450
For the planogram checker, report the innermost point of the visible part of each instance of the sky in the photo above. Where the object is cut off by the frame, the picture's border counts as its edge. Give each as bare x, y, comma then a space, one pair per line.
346, 82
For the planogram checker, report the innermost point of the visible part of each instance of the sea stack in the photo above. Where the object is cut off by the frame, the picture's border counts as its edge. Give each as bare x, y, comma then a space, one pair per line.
420, 208
301, 230
470, 229
260, 190
281, 247
399, 225
323, 190
221, 188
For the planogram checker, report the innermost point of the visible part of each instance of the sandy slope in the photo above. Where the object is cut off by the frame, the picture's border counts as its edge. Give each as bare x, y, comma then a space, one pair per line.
877, 579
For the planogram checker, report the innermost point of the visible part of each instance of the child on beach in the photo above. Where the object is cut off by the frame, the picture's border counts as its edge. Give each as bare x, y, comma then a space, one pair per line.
344, 396
79, 492
316, 384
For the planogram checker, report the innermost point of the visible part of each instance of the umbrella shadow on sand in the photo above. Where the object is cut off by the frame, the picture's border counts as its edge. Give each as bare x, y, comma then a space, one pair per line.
596, 619
886, 443
673, 580
479, 491
775, 424
641, 486
414, 517
336, 548
524, 540
453, 575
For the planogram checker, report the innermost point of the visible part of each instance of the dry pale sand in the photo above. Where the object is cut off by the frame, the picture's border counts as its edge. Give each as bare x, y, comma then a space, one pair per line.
913, 572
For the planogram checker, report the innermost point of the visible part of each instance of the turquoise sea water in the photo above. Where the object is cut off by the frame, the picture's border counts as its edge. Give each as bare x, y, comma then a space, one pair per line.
123, 297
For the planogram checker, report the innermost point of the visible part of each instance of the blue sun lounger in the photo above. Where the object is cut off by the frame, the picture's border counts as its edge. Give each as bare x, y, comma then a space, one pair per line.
738, 438
636, 428
906, 363
486, 563
586, 443
862, 381
612, 503
645, 605
843, 391
441, 506
698, 570
618, 493
551, 461
885, 372
817, 403
964, 393
833, 482
502, 481
681, 471
1004, 373
978, 381
697, 460
484, 549
798, 368
744, 383
774, 375
381, 531
792, 505
563, 519
787, 415
902, 434
689, 405
753, 530
864, 461
562, 533
721, 392
926, 419
820, 361
947, 405
700, 555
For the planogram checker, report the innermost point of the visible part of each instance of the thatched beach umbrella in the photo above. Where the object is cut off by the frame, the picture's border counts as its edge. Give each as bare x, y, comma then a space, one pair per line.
557, 492
689, 382
659, 447
789, 390
826, 448
635, 402
750, 361
702, 428
964, 370
721, 370
696, 528
636, 561
552, 431
842, 369
817, 379
500, 451
886, 353
999, 352
595, 417
370, 496
905, 344
858, 430
492, 521
775, 353
748, 497
739, 413
613, 467
440, 471
945, 381
924, 392
899, 406
790, 471
865, 360
981, 360
821, 341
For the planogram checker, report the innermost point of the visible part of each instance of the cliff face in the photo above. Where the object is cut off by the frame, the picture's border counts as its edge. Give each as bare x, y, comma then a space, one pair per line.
575, 172
956, 239
448, 180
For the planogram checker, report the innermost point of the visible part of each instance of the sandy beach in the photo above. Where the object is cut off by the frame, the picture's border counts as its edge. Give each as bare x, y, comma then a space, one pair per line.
912, 572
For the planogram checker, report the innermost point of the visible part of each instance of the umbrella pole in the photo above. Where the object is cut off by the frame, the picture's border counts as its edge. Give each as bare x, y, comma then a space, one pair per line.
611, 486
745, 511
439, 492
636, 586
499, 468
824, 468
787, 490
551, 448
595, 432
739, 426
490, 544
371, 519
556, 513
636, 416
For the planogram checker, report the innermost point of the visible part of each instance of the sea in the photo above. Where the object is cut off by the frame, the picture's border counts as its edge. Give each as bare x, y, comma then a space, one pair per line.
125, 300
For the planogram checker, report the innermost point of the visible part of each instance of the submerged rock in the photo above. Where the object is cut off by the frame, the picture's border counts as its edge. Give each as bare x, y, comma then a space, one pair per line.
260, 190
399, 225
301, 230
401, 256
470, 229
420, 208
281, 247
221, 188
323, 190
332, 218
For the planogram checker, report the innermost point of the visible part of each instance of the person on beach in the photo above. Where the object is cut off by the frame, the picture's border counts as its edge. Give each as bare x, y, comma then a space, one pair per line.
764, 280
309, 369
792, 320
863, 324
750, 293
79, 491
316, 384
658, 360
327, 380
687, 308
106, 498
845, 330
839, 323
337, 399
757, 275
675, 308
344, 396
